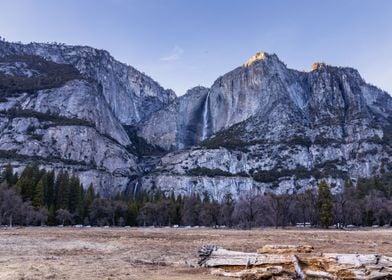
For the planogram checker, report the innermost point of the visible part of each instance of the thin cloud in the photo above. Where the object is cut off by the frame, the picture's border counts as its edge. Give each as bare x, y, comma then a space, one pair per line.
174, 55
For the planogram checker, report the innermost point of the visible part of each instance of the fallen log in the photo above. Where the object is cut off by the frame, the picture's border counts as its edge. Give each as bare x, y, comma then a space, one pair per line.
293, 262
285, 249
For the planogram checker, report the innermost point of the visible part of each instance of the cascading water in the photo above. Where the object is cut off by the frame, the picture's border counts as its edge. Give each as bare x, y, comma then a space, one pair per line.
206, 117
135, 189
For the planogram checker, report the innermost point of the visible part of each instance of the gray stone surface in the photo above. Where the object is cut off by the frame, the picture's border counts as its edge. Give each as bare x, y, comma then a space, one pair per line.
299, 126
261, 127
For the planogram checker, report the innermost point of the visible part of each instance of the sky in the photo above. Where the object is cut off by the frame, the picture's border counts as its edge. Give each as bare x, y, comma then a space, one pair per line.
185, 43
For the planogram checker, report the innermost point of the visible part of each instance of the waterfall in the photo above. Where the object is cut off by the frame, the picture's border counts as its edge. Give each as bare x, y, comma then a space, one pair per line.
205, 133
135, 189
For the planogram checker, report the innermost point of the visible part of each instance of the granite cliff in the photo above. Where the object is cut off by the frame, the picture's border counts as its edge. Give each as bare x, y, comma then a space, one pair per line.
260, 127
268, 127
70, 107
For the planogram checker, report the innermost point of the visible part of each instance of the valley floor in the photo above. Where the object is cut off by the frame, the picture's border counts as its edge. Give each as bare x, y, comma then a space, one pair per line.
138, 253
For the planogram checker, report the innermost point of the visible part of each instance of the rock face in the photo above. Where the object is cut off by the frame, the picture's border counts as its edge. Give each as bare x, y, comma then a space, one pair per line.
131, 95
273, 128
66, 107
180, 124
261, 127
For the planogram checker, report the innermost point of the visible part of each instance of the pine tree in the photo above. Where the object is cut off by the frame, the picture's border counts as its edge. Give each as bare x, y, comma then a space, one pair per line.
206, 197
132, 213
89, 197
49, 190
15, 178
176, 209
74, 194
325, 205
39, 192
81, 208
25, 183
76, 206
56, 188
36, 174
62, 184
158, 195
191, 210
9, 175
52, 216
348, 184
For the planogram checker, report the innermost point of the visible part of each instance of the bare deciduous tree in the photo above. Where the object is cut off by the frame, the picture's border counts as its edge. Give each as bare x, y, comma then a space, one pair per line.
63, 216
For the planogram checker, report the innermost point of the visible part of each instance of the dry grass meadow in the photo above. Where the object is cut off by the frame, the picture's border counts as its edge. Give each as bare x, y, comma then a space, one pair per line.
148, 253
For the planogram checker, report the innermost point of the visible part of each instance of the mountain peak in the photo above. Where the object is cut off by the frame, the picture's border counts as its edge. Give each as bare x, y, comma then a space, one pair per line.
318, 65
260, 56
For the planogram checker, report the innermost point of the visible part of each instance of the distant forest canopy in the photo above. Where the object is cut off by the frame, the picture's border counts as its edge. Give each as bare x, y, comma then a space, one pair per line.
39, 197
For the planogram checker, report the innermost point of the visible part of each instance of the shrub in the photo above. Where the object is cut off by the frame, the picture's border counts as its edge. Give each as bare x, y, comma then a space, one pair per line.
51, 75
56, 119
203, 171
228, 138
300, 141
325, 169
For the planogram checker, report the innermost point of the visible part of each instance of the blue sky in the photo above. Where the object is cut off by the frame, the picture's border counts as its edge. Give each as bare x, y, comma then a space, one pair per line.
184, 43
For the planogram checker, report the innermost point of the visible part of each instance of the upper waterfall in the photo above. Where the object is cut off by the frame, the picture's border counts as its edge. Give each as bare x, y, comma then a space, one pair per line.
206, 115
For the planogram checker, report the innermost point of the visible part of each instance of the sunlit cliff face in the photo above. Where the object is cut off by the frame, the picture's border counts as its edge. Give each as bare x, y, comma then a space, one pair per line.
258, 56
317, 65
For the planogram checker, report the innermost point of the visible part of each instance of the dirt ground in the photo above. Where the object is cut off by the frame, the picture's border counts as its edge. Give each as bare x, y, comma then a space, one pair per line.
137, 253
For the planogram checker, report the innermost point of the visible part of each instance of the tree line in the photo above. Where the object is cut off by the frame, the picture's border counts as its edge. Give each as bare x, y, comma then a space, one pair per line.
41, 197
